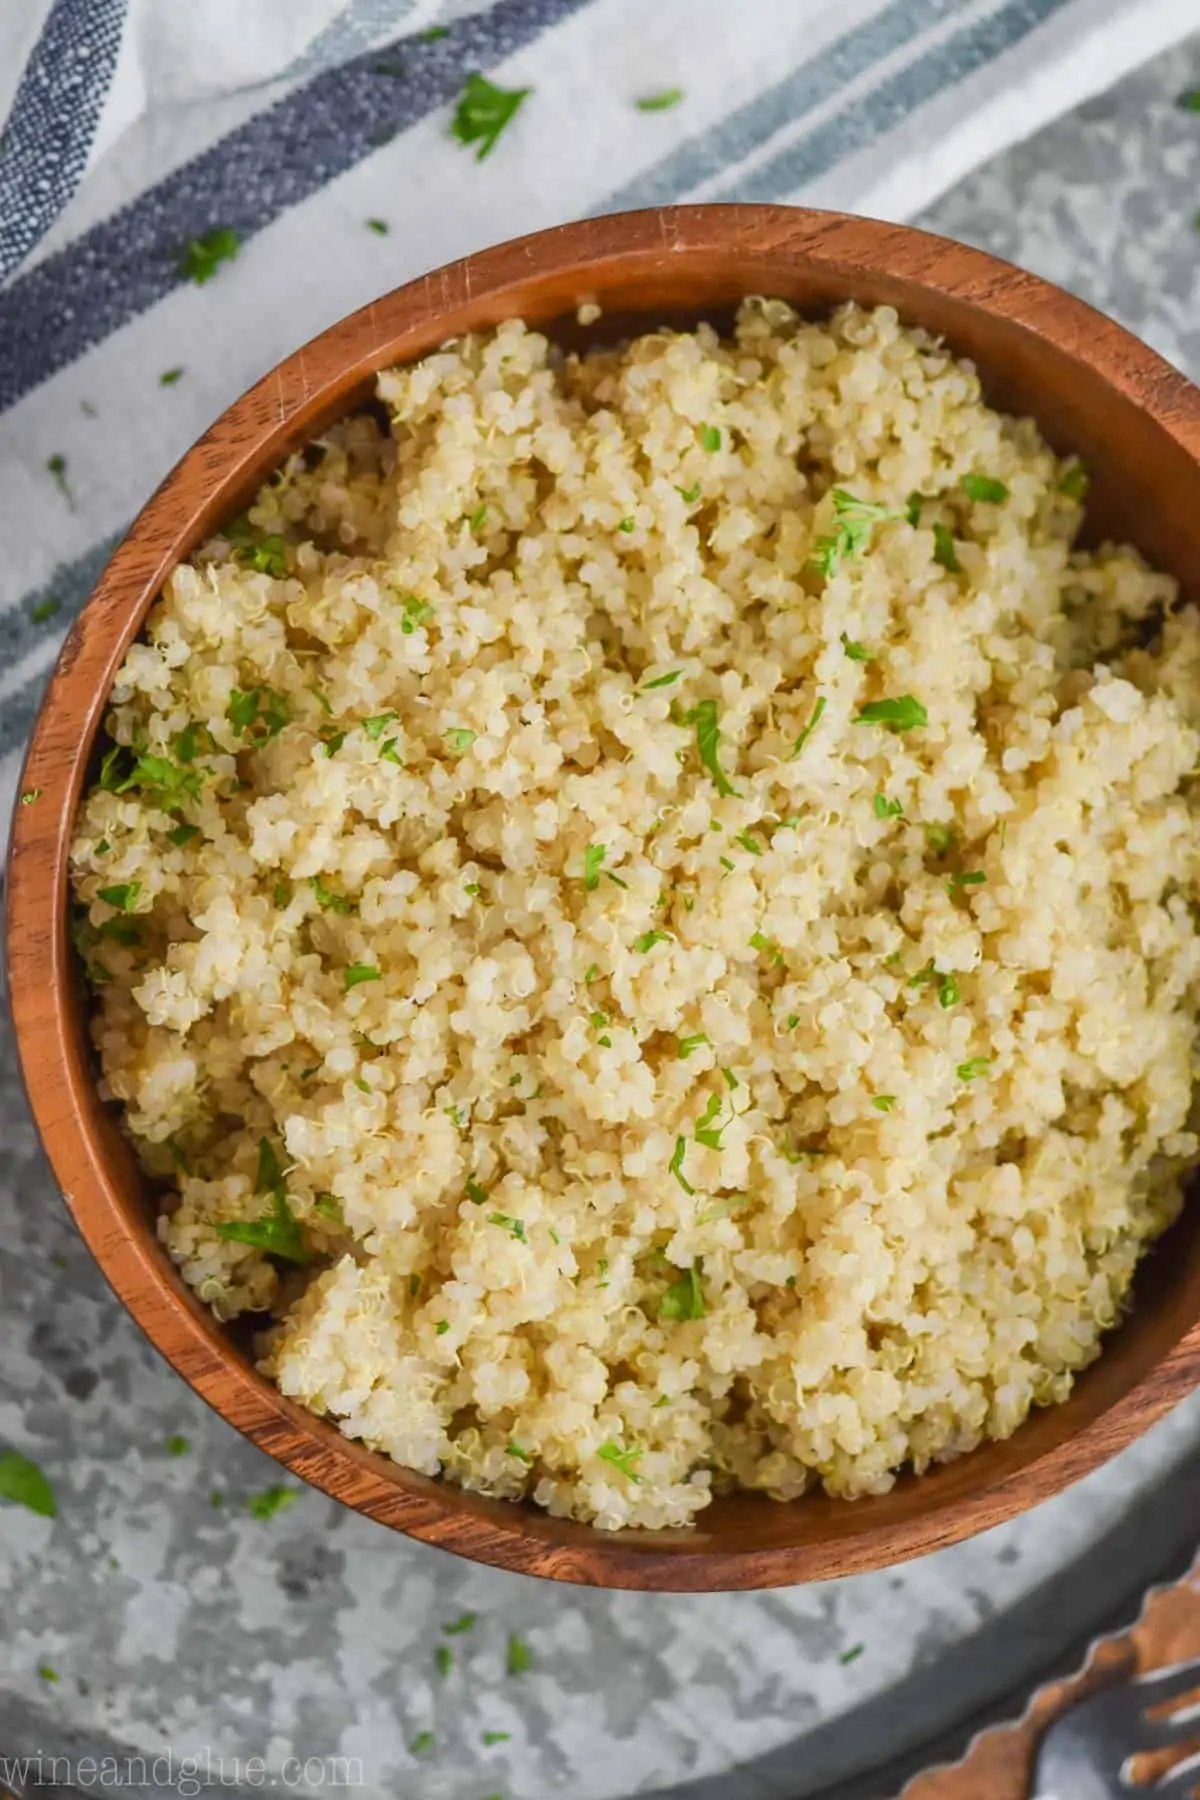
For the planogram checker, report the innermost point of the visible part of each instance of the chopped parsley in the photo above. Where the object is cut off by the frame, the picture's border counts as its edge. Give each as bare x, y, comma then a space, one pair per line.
760, 941
203, 256
514, 1449
855, 651
939, 837
967, 878
887, 809
433, 34
684, 1299
855, 524
420, 612
660, 102
422, 1743
478, 1195
326, 898
278, 1234
984, 487
689, 495
122, 897
47, 1673
379, 226
912, 508
748, 842
483, 112
948, 994
708, 739
376, 727
389, 753
414, 1285
627, 525
593, 857
624, 1460
974, 1068
473, 888
56, 468
944, 553
591, 972
852, 1655
519, 1659
465, 1622
814, 719
332, 741
902, 714
685, 1045
514, 1227
272, 1500
177, 1446
496, 1737
45, 609
710, 438
708, 1133
257, 713
1074, 481
676, 1165
169, 377
22, 1482
360, 972
648, 940
883, 1102
661, 681
616, 880
330, 1207
443, 1660
460, 739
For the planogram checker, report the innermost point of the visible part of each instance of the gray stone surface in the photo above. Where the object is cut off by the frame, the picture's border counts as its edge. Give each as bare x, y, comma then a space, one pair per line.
174, 1623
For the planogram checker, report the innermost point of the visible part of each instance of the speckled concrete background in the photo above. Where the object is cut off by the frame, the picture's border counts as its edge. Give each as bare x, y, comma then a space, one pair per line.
175, 1623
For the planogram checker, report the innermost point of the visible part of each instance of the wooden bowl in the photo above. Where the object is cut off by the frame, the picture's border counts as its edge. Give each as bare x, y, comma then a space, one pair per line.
1092, 387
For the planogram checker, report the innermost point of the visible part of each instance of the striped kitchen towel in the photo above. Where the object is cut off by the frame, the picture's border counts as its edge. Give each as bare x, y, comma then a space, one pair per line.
188, 191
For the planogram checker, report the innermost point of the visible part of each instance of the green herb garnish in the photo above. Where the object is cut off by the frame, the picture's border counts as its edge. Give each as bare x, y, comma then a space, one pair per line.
203, 256
676, 1165
912, 508
177, 1446
685, 1045
330, 1207
519, 1659
258, 713
852, 1655
169, 377
944, 552
593, 857
708, 739
443, 1660
648, 940
887, 809
939, 838
659, 102
22, 1482
689, 495
855, 651
748, 842
497, 1737
47, 1673
902, 714
814, 719
974, 1068
855, 524
706, 1132
948, 994
379, 226
661, 681
514, 1227
56, 468
122, 897
460, 739
478, 1195
419, 612
984, 487
513, 1449
465, 1622
684, 1299
483, 112
710, 438
360, 972
624, 1460
272, 1500
45, 609
326, 898
422, 1743
883, 1102
968, 878
1074, 482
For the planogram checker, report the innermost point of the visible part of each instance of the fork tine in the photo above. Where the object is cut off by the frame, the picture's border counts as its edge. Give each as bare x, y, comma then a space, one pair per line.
1165, 1684
1180, 1784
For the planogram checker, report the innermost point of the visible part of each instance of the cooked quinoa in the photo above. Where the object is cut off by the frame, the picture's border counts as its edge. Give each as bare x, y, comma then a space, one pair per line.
645, 916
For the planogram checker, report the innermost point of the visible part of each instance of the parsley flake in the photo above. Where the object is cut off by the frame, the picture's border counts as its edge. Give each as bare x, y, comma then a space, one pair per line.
177, 1446
122, 897
47, 1673
514, 1449
514, 1227
1074, 481
496, 1737
422, 1743
852, 1655
944, 552
661, 681
748, 842
814, 719
169, 377
203, 256
360, 972
939, 837
593, 857
624, 1460
460, 739
45, 609
883, 1102
689, 495
855, 651
56, 467
967, 878
984, 487
685, 1045
272, 1500
326, 898
902, 714
376, 727
676, 1165
443, 1660
855, 525
708, 739
648, 940
948, 994
476, 1193
912, 508
887, 809
379, 226
684, 1299
465, 1622
22, 1482
519, 1659
711, 439
661, 102
258, 713
974, 1068
483, 112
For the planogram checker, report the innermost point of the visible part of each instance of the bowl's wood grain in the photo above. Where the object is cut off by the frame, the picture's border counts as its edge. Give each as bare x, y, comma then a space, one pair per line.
1093, 388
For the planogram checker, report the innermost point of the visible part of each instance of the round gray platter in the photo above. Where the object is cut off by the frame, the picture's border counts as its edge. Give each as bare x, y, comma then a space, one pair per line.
178, 1626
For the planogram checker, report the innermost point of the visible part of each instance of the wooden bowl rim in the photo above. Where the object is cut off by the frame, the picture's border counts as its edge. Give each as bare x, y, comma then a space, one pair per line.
39, 973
